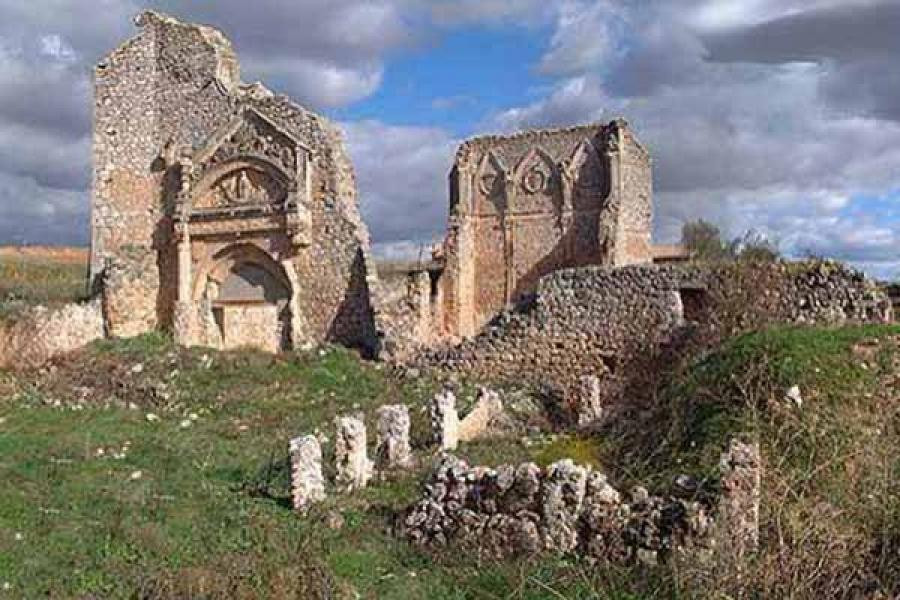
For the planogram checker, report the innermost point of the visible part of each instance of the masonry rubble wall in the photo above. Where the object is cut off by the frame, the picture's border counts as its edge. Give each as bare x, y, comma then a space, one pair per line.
600, 321
519, 510
42, 333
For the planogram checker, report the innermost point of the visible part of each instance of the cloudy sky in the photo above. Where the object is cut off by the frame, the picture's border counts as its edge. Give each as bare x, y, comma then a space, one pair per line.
781, 116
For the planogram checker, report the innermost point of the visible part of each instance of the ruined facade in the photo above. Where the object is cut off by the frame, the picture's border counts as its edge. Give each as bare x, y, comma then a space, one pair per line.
527, 205
220, 210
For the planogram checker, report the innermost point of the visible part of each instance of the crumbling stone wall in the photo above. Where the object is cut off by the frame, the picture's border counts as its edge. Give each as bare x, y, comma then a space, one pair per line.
41, 333
526, 205
600, 321
169, 107
566, 508
410, 310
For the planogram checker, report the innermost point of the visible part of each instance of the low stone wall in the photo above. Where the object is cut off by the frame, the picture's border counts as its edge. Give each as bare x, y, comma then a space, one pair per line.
41, 333
566, 508
571, 509
600, 321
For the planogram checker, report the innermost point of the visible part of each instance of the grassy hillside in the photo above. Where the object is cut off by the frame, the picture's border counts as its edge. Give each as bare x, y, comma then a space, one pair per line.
41, 276
100, 501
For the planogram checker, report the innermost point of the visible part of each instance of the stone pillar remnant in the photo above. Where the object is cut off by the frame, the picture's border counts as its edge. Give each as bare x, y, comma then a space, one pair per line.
589, 401
354, 469
562, 495
741, 469
488, 411
393, 450
307, 482
445, 420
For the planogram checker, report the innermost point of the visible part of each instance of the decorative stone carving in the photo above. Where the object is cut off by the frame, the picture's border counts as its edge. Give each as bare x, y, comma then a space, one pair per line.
354, 469
393, 450
536, 172
243, 187
445, 420
307, 482
588, 170
258, 137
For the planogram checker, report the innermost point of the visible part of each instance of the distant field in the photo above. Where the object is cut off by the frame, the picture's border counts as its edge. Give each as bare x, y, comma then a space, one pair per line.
41, 275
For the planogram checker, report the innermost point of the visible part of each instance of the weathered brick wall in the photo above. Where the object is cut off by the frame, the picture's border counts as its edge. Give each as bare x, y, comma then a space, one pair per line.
598, 321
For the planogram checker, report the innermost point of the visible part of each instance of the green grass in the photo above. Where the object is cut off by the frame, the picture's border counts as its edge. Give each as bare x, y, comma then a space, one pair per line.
28, 281
209, 515
831, 502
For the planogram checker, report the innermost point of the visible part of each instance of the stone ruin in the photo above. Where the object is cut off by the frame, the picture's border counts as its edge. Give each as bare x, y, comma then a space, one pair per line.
228, 214
221, 211
354, 469
511, 511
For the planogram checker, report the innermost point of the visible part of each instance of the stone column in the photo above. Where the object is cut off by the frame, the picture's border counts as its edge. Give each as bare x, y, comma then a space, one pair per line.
738, 515
354, 469
307, 482
589, 401
562, 496
392, 443
184, 307
445, 420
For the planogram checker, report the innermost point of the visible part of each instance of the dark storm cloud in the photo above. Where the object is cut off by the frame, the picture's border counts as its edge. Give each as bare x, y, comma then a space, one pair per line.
845, 33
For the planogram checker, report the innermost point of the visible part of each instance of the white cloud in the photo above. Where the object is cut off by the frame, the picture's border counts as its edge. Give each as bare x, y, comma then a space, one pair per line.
402, 176
750, 144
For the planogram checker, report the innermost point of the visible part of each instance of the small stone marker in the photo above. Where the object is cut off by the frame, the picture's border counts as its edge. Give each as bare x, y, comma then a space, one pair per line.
590, 401
354, 469
307, 482
741, 470
393, 450
445, 420
488, 412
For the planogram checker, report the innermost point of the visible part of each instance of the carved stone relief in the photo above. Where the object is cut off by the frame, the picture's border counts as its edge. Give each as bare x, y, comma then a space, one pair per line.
242, 187
256, 137
536, 172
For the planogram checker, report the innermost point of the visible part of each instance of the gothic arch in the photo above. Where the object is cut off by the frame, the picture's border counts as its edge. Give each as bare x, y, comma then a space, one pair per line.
590, 173
536, 172
490, 182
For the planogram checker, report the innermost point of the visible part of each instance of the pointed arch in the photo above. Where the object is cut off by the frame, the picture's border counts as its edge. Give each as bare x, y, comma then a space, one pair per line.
490, 181
590, 174
536, 172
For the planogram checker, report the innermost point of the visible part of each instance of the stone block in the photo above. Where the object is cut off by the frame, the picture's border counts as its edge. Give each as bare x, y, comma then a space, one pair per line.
307, 482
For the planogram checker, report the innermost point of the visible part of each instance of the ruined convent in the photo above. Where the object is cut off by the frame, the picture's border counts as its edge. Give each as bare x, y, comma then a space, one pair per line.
229, 215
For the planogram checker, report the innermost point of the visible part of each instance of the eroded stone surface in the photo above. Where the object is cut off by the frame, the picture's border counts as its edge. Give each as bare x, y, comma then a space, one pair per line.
485, 419
42, 333
589, 401
307, 481
225, 200
741, 470
510, 511
354, 469
392, 443
445, 420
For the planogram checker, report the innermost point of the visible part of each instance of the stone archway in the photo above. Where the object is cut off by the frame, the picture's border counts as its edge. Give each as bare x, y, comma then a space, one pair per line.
246, 299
